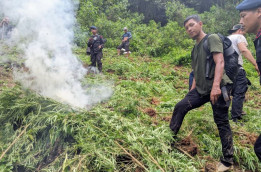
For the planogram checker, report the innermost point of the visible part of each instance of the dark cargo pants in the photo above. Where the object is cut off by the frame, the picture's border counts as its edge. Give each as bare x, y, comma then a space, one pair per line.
125, 45
239, 92
96, 59
258, 148
220, 111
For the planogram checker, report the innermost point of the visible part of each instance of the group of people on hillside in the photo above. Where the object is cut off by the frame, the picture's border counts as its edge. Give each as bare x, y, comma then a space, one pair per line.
210, 82
96, 44
208, 88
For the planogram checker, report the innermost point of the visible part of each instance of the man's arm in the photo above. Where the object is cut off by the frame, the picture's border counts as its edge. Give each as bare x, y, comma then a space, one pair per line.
130, 36
101, 42
90, 41
219, 70
248, 55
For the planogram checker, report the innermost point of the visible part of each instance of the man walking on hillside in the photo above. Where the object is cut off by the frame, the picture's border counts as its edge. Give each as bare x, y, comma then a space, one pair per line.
241, 83
96, 45
250, 14
125, 42
207, 89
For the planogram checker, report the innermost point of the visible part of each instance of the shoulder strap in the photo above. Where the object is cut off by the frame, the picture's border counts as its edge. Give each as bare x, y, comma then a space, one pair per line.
227, 46
205, 46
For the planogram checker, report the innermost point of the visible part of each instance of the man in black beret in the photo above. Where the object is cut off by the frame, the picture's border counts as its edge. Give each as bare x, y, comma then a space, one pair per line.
96, 45
250, 14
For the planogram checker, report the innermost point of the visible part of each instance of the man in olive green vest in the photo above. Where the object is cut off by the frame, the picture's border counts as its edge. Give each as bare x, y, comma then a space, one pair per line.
207, 89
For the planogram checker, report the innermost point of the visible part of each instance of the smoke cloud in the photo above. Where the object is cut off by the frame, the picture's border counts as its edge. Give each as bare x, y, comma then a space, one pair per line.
44, 31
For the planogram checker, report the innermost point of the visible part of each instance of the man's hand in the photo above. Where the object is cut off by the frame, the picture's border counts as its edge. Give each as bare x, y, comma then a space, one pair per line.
215, 94
100, 46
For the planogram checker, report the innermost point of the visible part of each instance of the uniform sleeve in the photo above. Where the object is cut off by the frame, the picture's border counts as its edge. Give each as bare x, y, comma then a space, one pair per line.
215, 44
101, 41
130, 36
90, 41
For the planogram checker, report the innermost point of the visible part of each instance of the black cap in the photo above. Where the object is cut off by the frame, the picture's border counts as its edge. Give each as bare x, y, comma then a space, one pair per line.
93, 27
248, 5
235, 28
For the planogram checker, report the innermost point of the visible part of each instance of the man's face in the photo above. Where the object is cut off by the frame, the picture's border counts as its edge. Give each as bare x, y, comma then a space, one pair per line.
251, 20
193, 28
94, 31
125, 30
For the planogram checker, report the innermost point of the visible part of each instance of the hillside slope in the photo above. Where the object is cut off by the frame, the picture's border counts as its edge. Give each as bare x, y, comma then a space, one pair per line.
129, 132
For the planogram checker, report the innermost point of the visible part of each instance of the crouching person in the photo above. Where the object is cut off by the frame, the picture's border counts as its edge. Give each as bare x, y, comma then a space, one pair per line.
125, 42
205, 90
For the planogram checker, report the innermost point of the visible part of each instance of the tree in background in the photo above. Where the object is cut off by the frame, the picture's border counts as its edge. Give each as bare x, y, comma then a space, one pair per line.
151, 9
156, 25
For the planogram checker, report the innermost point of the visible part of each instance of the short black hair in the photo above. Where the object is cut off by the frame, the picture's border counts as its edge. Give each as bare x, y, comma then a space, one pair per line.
194, 17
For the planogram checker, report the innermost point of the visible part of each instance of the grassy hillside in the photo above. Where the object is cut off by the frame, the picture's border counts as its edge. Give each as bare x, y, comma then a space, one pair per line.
129, 132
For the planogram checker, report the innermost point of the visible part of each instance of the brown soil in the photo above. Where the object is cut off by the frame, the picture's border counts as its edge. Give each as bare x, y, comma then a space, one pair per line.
151, 112
166, 118
248, 138
139, 169
210, 167
140, 79
7, 76
111, 71
122, 78
155, 101
189, 146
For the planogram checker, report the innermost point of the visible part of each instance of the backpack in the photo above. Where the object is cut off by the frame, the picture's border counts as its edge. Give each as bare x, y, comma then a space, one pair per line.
230, 57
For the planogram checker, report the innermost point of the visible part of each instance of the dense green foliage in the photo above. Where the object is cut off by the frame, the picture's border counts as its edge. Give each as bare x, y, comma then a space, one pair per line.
149, 36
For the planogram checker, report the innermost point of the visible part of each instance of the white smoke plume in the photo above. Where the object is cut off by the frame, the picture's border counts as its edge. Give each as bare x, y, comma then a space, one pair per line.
44, 31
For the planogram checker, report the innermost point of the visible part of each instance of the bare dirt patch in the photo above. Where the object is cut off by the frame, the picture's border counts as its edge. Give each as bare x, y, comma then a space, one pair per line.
6, 77
189, 146
151, 112
248, 138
